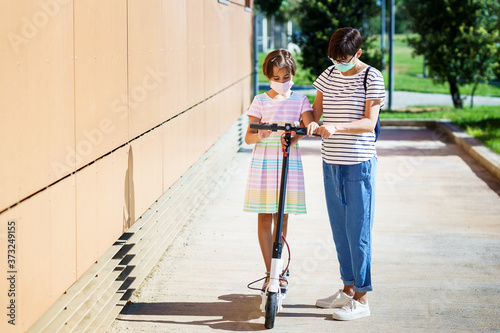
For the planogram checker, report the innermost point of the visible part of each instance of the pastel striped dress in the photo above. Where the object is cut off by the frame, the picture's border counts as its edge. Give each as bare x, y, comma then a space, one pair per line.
264, 177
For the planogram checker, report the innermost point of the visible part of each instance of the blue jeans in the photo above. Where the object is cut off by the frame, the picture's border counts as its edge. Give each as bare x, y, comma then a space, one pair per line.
350, 199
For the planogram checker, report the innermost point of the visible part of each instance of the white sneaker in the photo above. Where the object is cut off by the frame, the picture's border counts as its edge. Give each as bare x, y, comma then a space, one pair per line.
352, 310
337, 300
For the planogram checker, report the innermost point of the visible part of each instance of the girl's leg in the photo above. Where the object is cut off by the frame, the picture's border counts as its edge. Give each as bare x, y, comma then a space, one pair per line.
283, 231
284, 227
265, 222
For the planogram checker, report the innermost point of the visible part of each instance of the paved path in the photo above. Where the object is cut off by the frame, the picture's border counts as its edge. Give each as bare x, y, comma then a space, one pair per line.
436, 252
404, 99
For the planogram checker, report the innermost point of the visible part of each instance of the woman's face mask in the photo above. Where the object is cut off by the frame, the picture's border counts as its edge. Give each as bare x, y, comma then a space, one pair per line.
344, 66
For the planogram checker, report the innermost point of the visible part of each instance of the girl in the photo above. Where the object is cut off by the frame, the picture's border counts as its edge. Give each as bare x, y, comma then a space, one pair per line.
278, 105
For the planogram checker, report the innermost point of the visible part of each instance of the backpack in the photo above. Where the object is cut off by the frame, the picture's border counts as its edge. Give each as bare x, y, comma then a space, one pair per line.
377, 126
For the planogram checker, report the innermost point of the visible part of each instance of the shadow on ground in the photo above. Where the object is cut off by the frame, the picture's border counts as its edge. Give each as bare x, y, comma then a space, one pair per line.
232, 312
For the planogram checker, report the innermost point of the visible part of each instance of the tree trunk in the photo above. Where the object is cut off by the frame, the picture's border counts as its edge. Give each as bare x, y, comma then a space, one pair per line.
472, 94
455, 93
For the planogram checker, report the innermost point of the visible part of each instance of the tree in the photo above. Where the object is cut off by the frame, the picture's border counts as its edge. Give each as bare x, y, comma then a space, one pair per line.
268, 7
319, 19
458, 39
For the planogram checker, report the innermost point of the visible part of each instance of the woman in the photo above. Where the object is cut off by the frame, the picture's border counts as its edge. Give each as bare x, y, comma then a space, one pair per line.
350, 115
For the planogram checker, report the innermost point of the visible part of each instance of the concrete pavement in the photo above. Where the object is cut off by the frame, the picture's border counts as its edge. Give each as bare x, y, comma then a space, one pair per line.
436, 251
404, 99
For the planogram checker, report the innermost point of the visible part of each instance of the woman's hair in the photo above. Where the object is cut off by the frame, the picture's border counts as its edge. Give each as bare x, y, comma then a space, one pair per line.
280, 58
344, 42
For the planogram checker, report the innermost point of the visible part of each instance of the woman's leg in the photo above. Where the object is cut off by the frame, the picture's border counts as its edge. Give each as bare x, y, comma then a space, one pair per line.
335, 201
359, 184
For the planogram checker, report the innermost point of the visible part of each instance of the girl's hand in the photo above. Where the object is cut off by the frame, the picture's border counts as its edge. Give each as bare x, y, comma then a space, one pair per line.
264, 134
295, 138
311, 128
326, 131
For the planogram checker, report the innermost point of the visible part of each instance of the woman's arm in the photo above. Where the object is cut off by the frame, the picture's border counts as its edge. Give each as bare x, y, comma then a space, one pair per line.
317, 106
365, 125
253, 136
312, 121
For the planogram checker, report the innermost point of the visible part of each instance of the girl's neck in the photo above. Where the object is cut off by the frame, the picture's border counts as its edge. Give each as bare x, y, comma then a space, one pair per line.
274, 95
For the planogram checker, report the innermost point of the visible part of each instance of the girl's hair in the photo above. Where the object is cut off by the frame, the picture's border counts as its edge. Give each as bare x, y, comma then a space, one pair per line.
344, 42
280, 58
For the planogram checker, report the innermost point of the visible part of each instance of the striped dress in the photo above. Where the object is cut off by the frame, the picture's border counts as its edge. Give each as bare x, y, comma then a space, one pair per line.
264, 177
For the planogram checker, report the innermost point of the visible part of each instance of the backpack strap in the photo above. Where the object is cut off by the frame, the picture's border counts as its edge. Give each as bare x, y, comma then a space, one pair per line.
331, 70
377, 126
366, 76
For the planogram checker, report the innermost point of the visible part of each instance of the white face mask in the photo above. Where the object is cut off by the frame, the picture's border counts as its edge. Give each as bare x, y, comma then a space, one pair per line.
281, 88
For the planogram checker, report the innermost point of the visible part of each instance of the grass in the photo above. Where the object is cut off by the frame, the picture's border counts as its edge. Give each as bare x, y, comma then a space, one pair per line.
408, 74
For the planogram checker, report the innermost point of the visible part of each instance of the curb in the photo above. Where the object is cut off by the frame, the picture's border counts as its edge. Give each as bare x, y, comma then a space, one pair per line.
482, 154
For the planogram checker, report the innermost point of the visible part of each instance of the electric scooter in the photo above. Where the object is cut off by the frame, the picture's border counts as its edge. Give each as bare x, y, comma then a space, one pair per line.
273, 294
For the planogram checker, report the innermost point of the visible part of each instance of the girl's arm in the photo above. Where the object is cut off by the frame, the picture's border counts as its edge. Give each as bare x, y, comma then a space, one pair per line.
307, 118
253, 136
365, 125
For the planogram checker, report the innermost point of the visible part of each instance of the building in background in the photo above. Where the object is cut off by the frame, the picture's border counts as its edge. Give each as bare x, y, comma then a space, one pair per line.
106, 104
272, 35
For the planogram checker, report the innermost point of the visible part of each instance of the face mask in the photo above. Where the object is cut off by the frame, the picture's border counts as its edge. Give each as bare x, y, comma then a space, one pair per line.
345, 67
281, 88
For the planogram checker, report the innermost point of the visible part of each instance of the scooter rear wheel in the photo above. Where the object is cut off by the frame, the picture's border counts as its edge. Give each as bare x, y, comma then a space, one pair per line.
271, 309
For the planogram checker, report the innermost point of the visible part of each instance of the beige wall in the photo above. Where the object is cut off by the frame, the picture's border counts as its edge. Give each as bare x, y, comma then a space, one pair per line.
105, 104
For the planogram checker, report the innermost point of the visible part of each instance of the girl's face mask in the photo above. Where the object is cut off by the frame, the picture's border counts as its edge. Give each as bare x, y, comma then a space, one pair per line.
281, 88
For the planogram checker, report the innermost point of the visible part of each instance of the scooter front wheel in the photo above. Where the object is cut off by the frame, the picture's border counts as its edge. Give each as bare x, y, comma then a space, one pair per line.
271, 309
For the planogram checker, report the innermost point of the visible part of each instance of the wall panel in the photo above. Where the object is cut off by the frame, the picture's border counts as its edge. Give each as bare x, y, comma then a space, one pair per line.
147, 177
36, 90
224, 45
45, 251
195, 52
146, 66
174, 150
102, 202
101, 109
210, 23
174, 18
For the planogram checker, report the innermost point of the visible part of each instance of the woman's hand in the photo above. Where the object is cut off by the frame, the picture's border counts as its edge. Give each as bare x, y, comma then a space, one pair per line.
311, 128
326, 131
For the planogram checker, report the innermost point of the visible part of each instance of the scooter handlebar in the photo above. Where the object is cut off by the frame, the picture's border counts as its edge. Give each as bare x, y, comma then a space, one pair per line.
276, 127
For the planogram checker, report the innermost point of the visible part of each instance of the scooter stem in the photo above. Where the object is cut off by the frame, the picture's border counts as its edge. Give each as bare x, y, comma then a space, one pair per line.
278, 246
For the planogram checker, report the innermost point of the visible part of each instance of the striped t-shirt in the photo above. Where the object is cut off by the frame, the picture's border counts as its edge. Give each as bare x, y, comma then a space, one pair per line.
343, 102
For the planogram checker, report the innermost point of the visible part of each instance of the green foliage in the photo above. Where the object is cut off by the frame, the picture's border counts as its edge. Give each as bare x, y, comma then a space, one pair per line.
319, 19
408, 72
268, 7
458, 39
